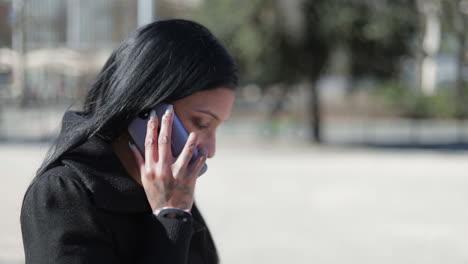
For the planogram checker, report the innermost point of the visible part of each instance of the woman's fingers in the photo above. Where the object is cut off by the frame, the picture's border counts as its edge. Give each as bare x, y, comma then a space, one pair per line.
151, 140
168, 181
164, 142
187, 153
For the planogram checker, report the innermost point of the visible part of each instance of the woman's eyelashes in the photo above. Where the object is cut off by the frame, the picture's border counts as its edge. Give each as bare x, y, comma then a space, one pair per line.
200, 124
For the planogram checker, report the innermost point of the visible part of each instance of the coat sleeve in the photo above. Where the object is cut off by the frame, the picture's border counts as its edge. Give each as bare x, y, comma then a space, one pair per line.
60, 224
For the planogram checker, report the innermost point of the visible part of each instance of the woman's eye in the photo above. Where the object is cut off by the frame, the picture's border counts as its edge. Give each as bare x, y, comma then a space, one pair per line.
200, 124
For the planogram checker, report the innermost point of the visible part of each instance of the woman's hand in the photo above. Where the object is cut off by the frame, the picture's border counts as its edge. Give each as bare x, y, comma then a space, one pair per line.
168, 181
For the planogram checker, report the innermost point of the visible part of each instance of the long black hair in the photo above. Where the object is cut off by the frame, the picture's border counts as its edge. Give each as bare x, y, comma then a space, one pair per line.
160, 62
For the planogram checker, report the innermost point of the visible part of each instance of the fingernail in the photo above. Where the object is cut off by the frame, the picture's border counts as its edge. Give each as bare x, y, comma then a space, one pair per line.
192, 136
169, 110
131, 145
153, 115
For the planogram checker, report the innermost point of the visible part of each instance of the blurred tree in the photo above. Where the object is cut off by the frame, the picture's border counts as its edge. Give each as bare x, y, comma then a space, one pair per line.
381, 34
457, 12
376, 33
264, 48
252, 30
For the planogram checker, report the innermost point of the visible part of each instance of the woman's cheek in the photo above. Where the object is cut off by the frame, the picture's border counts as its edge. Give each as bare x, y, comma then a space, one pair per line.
189, 127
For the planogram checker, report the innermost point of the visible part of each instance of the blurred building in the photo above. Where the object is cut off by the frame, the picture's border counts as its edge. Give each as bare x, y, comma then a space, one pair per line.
77, 24
60, 45
42, 23
99, 24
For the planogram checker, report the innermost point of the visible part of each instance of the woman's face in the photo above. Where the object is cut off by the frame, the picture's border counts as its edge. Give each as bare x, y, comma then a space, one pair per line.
203, 112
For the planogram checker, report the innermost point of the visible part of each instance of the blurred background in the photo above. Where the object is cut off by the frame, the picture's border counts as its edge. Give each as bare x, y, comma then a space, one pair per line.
351, 117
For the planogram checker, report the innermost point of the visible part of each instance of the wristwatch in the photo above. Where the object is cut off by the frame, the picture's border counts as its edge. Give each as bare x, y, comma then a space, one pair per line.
175, 213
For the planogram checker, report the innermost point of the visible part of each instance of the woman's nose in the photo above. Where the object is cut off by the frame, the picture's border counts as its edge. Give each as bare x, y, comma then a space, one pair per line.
211, 151
209, 144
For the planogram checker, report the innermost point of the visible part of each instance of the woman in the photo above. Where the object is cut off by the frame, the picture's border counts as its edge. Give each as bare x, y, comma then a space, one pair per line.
96, 199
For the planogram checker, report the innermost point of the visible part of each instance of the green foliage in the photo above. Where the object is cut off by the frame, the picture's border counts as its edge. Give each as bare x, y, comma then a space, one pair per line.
376, 34
381, 34
411, 103
251, 29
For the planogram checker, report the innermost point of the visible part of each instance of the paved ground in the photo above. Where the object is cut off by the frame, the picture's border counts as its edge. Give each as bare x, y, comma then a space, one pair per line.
306, 205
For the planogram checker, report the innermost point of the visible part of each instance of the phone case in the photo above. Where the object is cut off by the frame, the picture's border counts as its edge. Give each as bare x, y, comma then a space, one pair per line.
137, 130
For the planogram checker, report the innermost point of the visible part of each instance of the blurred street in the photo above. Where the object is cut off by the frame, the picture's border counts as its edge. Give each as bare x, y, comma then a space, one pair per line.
283, 204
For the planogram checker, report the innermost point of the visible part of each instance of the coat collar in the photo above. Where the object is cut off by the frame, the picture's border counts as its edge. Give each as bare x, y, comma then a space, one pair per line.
101, 171
99, 168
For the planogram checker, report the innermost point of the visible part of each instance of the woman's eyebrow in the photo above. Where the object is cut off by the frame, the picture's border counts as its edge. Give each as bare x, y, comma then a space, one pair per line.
208, 112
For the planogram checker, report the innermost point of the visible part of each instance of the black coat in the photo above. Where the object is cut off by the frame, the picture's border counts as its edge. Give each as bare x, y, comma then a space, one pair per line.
87, 209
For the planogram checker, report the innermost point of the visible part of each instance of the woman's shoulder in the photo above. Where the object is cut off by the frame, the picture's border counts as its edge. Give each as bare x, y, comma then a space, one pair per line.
56, 187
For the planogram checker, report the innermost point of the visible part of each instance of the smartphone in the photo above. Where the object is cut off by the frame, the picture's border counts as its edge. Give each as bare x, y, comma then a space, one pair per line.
137, 131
